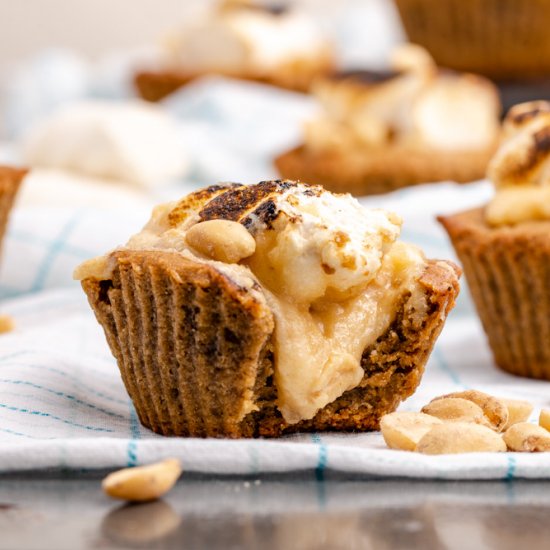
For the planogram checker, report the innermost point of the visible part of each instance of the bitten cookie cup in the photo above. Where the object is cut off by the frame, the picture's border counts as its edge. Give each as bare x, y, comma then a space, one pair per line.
195, 351
508, 269
208, 348
10, 181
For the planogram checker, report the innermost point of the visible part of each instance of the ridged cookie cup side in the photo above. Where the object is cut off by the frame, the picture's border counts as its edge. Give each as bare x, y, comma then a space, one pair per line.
501, 39
10, 181
195, 349
508, 270
381, 170
187, 339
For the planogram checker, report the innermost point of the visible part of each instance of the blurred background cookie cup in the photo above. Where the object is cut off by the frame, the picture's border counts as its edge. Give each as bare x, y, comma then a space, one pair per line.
504, 246
382, 130
500, 39
272, 43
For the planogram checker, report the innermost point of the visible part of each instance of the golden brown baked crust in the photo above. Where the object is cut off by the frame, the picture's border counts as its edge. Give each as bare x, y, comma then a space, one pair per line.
298, 75
502, 40
384, 169
508, 270
10, 180
194, 349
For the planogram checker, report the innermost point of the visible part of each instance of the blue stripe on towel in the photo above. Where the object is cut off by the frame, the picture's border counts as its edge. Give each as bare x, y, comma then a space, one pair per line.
64, 374
62, 394
511, 471
54, 417
446, 368
56, 247
322, 458
31, 238
131, 449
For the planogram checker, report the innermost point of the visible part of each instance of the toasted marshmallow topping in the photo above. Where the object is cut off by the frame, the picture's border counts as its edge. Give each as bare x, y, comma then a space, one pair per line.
331, 271
520, 169
415, 105
245, 37
134, 142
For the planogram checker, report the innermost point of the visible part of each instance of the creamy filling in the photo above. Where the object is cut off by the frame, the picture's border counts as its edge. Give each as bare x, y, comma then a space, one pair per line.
334, 286
522, 203
318, 347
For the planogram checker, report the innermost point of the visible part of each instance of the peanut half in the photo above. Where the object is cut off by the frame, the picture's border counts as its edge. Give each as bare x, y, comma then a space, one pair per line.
222, 240
143, 483
518, 411
544, 419
455, 409
460, 437
494, 409
527, 438
403, 430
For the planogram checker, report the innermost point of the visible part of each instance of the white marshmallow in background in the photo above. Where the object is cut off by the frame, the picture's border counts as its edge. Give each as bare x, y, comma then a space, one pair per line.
131, 142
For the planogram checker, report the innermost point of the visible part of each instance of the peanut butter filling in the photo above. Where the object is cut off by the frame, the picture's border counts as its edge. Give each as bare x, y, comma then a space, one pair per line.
332, 274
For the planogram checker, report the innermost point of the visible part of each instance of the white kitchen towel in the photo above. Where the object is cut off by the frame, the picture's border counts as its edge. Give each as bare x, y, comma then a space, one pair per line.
63, 405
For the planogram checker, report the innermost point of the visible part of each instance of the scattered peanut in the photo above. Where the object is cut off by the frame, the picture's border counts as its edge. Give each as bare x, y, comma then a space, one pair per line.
544, 419
460, 437
403, 430
455, 409
526, 437
494, 409
7, 324
518, 411
143, 483
222, 240
467, 422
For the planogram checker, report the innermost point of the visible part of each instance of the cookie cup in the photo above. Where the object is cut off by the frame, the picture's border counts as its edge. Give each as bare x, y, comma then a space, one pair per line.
503, 40
195, 349
507, 269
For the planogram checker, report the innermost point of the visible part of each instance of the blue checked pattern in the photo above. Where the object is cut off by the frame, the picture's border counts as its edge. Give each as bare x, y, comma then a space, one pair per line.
63, 405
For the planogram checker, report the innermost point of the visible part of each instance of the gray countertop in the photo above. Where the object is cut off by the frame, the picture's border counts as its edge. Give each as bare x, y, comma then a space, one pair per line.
291, 512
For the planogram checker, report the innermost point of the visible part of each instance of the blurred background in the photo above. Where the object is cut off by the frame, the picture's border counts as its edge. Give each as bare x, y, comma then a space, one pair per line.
59, 52
98, 28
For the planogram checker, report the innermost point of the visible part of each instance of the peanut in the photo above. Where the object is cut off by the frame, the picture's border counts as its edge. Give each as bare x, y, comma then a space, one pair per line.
526, 437
544, 419
460, 437
518, 411
495, 410
455, 409
6, 324
143, 483
403, 430
222, 240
